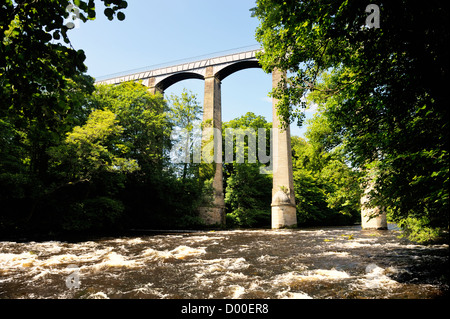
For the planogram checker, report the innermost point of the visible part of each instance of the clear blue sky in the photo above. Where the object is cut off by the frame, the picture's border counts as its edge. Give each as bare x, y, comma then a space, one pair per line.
156, 32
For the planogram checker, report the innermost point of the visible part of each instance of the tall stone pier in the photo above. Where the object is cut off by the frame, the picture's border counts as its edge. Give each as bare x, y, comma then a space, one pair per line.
212, 118
283, 196
284, 213
372, 217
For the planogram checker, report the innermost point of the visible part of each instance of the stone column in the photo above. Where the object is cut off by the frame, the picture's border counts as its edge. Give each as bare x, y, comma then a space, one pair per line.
152, 88
371, 217
284, 212
212, 118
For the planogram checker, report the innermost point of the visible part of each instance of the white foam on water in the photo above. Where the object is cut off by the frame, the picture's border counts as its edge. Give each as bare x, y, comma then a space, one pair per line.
376, 278
292, 295
88, 245
42, 274
266, 258
343, 254
36, 262
10, 261
280, 232
233, 291
237, 291
373, 270
202, 281
45, 264
60, 259
31, 264
225, 264
232, 277
294, 277
135, 241
332, 274
319, 232
52, 247
286, 278
412, 246
115, 260
146, 290
201, 239
153, 254
98, 295
243, 248
180, 252
356, 244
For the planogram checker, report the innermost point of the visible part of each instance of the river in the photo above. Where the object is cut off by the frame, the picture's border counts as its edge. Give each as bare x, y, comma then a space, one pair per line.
335, 262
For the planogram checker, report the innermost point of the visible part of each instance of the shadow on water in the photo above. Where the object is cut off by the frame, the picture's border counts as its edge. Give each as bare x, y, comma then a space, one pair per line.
312, 263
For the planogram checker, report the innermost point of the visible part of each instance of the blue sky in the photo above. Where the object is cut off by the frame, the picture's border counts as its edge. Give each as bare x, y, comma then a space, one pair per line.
156, 32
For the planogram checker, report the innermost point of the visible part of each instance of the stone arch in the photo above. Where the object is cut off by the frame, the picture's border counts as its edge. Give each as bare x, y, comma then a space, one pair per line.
235, 67
177, 77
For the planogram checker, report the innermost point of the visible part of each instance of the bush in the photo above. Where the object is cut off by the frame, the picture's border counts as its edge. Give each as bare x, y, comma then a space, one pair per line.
248, 204
162, 202
92, 214
418, 230
243, 217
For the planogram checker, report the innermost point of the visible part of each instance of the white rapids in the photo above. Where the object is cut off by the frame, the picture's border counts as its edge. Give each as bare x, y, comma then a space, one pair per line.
334, 262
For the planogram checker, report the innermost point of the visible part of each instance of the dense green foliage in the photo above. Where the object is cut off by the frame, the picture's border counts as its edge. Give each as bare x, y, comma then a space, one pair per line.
186, 112
383, 91
43, 96
152, 194
248, 193
35, 65
74, 157
111, 172
327, 190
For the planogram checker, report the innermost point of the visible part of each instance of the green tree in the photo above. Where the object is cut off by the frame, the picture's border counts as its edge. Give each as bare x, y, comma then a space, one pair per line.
42, 97
144, 119
185, 113
26, 169
88, 175
37, 69
330, 158
153, 196
87, 150
247, 204
327, 190
32, 60
384, 90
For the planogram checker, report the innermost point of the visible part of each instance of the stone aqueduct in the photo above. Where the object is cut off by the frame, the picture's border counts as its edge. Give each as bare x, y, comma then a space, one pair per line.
213, 70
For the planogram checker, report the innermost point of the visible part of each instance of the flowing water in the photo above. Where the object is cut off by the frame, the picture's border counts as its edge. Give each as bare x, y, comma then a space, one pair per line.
338, 262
